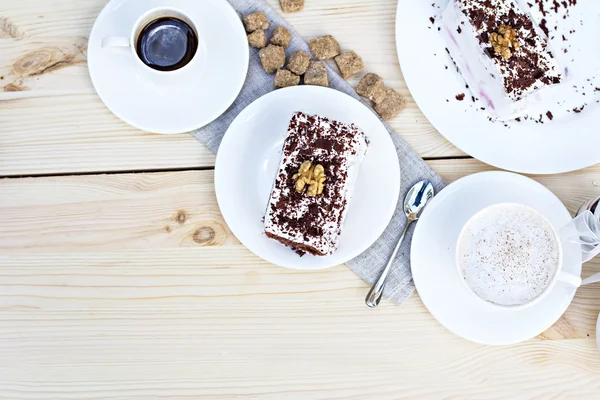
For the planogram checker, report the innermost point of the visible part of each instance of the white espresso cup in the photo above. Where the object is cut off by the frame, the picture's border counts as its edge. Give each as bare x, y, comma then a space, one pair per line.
130, 43
559, 274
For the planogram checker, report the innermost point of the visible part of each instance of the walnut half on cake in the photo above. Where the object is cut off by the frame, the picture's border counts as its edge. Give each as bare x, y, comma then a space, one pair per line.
313, 185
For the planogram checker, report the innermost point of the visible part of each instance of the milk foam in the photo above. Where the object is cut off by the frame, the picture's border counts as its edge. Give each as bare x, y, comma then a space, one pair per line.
508, 254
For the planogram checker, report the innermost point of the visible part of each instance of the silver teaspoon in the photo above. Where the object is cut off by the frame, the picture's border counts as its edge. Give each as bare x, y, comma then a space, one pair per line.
414, 202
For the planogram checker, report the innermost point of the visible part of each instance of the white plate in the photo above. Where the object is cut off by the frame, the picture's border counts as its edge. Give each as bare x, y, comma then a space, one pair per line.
249, 157
189, 103
434, 269
569, 142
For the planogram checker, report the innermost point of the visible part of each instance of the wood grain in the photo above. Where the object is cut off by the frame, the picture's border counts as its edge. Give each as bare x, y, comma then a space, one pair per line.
131, 286
47, 100
70, 135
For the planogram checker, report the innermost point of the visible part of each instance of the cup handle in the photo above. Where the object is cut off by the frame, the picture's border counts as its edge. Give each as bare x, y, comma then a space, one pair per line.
114, 41
570, 279
592, 279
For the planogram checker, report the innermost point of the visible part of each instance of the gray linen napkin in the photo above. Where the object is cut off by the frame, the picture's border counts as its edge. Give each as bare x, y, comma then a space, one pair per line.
413, 169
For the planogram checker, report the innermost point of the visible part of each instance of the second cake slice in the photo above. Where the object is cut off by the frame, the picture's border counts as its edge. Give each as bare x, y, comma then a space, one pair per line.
314, 182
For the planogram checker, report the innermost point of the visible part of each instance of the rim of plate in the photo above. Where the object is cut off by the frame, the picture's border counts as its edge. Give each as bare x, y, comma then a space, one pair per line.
552, 316
489, 154
141, 125
219, 178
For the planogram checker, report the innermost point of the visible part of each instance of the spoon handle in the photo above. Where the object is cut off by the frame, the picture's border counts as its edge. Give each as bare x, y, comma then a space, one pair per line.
374, 296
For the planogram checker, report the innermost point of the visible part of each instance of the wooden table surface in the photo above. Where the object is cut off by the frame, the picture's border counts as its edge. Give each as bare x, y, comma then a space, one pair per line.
119, 278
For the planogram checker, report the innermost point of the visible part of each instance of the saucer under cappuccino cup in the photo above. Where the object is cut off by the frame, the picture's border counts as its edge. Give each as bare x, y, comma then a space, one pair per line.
510, 256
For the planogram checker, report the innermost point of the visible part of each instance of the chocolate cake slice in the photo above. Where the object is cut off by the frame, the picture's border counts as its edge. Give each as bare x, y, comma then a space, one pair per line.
313, 185
501, 51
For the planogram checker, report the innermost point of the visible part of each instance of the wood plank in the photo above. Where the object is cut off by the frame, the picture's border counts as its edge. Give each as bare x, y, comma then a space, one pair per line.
98, 299
76, 133
47, 101
175, 324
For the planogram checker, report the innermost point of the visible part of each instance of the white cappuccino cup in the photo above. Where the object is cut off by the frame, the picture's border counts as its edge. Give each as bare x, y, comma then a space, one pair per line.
510, 256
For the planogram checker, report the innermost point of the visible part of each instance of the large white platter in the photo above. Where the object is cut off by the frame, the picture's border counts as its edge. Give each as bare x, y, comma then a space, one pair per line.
568, 142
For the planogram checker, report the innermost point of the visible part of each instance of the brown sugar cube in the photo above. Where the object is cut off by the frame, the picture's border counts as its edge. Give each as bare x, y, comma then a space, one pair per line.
272, 58
316, 74
281, 37
291, 5
257, 39
284, 78
391, 105
371, 86
298, 62
324, 48
255, 21
349, 64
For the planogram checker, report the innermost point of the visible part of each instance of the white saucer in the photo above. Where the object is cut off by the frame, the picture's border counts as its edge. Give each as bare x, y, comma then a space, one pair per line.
249, 157
187, 104
434, 269
568, 142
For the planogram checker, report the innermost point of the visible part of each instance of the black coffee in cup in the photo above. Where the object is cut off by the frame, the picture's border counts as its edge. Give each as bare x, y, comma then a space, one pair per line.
167, 44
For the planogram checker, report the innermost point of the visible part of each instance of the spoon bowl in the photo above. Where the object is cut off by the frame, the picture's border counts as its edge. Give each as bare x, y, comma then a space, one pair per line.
417, 197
